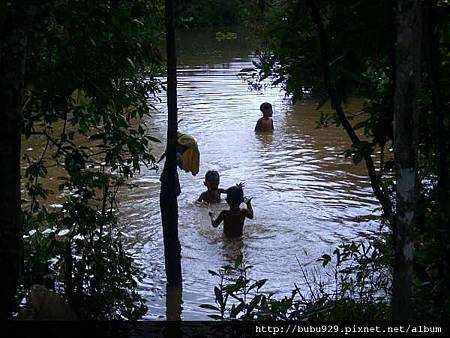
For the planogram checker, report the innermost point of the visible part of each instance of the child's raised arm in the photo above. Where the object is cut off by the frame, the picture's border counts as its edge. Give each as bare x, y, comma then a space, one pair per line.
215, 223
248, 202
224, 191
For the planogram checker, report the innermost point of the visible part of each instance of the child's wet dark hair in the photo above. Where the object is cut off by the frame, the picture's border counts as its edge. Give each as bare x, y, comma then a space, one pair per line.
235, 196
265, 106
211, 175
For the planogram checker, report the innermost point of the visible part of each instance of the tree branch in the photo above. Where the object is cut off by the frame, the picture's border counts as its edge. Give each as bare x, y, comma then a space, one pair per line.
337, 104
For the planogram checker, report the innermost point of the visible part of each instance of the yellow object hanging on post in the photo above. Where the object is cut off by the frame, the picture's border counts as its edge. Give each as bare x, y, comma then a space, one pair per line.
191, 154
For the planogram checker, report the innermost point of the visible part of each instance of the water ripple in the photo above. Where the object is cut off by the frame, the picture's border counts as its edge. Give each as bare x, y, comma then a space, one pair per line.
307, 197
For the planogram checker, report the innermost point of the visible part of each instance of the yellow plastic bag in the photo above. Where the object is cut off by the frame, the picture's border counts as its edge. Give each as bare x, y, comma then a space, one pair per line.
191, 155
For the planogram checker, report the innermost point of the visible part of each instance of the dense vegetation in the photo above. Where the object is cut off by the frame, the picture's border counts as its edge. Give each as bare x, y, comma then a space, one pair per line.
79, 77
89, 81
359, 283
208, 13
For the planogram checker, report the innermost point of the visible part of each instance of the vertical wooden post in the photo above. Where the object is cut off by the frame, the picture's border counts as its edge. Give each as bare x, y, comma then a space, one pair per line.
168, 195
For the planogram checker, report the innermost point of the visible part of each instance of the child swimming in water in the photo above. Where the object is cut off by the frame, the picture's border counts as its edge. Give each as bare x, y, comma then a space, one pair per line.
212, 194
233, 219
265, 123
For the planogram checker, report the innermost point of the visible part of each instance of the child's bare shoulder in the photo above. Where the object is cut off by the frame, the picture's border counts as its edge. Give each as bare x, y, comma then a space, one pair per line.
259, 124
203, 197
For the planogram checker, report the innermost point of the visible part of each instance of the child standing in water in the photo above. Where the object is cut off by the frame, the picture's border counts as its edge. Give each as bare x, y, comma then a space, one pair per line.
212, 194
265, 123
233, 219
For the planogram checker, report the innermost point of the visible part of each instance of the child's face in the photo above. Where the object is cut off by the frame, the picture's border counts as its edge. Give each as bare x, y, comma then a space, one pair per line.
212, 184
268, 112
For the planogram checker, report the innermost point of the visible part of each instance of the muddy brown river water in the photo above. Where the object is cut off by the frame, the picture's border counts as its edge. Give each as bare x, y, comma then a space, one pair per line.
307, 197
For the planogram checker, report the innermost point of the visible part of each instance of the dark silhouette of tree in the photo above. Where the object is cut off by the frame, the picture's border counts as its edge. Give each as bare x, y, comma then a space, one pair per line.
406, 118
168, 195
432, 21
15, 22
84, 83
336, 101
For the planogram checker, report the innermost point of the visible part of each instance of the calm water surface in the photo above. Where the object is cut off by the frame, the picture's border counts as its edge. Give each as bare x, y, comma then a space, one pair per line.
307, 196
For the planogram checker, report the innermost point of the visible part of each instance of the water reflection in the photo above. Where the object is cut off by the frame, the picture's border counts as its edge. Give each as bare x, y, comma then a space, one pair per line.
231, 248
265, 139
173, 303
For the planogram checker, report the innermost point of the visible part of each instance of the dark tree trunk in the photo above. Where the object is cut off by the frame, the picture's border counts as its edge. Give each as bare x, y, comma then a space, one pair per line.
168, 196
431, 48
14, 24
408, 55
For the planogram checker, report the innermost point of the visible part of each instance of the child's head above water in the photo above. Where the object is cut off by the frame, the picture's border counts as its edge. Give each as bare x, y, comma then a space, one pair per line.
235, 196
266, 109
212, 180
